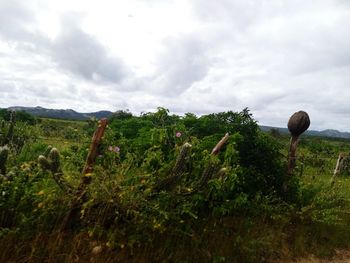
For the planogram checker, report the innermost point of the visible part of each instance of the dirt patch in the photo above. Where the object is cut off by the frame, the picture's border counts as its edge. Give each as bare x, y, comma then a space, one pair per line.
342, 256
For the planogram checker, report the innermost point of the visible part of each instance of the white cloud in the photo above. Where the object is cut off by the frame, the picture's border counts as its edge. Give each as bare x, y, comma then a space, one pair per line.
202, 56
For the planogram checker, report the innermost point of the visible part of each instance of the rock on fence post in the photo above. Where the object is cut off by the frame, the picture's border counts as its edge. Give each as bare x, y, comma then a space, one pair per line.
298, 123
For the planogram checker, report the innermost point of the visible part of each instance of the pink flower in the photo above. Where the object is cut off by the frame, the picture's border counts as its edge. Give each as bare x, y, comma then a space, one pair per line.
116, 149
178, 134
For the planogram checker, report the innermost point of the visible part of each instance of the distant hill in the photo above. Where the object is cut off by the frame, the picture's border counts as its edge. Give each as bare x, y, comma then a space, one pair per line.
70, 114
325, 133
67, 114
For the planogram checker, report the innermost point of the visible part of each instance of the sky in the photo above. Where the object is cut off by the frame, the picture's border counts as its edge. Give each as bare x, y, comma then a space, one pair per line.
275, 57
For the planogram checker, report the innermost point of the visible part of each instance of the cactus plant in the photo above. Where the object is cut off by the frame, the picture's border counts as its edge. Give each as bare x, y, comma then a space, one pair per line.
54, 157
9, 135
47, 151
52, 163
44, 163
212, 165
177, 171
181, 159
207, 174
4, 152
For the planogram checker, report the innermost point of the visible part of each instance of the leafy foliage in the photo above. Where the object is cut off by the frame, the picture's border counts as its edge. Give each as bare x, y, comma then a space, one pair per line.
156, 187
21, 116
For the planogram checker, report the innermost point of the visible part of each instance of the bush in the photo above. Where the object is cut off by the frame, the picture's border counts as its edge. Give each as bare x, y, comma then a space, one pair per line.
21, 116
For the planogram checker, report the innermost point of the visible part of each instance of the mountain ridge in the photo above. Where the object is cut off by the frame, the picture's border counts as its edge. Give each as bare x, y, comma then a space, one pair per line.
70, 114
332, 133
67, 114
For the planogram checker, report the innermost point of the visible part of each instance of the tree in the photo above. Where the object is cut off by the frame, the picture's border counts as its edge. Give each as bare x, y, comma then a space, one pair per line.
121, 115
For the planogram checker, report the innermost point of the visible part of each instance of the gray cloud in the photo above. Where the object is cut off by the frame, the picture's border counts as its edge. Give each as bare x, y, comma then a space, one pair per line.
236, 14
182, 63
18, 26
281, 56
81, 54
14, 19
73, 50
34, 69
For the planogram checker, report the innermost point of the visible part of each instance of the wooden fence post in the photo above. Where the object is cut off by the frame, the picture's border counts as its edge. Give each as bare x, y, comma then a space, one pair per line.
93, 152
220, 144
85, 180
338, 167
298, 123
211, 167
292, 154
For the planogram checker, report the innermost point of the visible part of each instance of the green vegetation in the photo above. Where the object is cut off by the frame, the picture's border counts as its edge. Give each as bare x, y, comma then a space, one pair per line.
159, 194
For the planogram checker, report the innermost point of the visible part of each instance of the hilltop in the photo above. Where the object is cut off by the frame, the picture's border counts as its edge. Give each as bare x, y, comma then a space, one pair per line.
67, 114
325, 133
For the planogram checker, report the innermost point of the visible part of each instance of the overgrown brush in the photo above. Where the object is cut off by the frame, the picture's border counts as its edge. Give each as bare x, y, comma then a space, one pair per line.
158, 194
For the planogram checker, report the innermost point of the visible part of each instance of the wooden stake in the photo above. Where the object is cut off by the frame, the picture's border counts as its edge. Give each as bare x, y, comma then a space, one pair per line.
338, 166
292, 154
85, 180
211, 168
220, 144
93, 152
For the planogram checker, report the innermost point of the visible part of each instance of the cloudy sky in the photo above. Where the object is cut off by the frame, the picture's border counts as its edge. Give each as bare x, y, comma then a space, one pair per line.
202, 56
